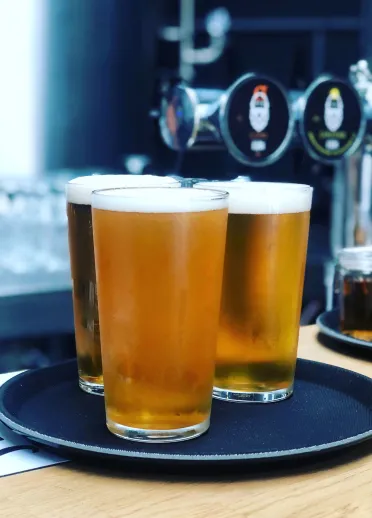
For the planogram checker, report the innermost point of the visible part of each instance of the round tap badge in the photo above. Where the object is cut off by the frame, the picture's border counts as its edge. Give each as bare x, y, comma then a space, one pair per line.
332, 124
255, 120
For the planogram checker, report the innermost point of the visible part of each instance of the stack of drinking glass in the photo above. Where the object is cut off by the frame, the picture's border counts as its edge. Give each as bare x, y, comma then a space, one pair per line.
184, 293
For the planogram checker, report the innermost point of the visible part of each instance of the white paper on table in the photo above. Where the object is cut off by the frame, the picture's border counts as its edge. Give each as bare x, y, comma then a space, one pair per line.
17, 454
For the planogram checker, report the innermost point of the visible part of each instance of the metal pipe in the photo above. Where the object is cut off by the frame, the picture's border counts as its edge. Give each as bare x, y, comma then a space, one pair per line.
187, 29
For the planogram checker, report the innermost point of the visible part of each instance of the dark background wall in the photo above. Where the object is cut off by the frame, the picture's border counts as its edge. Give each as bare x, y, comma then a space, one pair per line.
101, 57
105, 59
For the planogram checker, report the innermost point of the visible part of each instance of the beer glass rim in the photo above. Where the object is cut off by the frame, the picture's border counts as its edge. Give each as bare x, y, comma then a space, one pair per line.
85, 180
214, 194
252, 184
266, 197
159, 199
80, 189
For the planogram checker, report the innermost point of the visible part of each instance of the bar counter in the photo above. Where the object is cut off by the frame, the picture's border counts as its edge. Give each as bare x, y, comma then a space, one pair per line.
331, 487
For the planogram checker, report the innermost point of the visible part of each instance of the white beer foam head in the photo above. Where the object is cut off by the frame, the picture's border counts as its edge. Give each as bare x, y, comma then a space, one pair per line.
264, 197
159, 200
79, 190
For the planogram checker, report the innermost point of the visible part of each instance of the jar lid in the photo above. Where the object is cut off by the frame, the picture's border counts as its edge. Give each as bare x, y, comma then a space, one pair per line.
356, 258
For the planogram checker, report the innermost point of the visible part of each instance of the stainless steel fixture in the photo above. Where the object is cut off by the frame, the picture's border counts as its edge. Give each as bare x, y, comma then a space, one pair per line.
256, 120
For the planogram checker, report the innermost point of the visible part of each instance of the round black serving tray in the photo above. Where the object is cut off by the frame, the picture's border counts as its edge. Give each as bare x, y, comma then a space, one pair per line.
331, 408
329, 324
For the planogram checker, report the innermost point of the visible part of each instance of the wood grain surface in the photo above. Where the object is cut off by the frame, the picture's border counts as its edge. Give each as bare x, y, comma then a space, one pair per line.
335, 487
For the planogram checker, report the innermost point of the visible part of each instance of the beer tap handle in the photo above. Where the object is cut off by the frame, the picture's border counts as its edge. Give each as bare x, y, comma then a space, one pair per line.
361, 77
179, 117
189, 116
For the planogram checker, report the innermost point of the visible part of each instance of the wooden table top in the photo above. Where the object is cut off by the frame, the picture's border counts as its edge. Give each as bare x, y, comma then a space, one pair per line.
339, 487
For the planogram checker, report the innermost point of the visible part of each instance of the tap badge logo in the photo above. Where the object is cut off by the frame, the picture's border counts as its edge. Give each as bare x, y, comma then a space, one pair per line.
333, 110
259, 108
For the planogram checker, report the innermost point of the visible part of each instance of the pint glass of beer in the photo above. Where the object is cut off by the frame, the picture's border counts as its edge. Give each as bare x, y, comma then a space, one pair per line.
159, 263
266, 246
87, 336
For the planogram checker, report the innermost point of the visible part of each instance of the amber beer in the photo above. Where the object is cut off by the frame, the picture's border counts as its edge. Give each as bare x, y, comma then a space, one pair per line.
354, 285
159, 263
265, 259
87, 335
356, 308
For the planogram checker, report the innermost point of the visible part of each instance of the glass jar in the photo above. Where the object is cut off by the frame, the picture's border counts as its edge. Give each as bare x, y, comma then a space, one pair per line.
354, 288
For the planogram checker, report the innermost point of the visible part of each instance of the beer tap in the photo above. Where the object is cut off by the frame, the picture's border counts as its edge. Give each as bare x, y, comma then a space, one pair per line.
252, 119
256, 120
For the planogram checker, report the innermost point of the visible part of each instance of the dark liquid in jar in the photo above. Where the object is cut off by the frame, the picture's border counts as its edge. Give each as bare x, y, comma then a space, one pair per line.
356, 307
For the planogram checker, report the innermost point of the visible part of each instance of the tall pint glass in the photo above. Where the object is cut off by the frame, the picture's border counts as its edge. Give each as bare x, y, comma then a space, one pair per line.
87, 335
266, 245
159, 263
